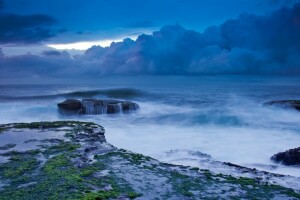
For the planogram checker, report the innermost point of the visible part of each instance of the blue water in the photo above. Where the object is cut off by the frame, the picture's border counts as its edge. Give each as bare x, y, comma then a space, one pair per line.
219, 115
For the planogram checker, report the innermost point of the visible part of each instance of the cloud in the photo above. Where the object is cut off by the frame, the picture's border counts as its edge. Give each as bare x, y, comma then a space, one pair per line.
249, 44
1, 54
282, 2
18, 29
24, 29
272, 40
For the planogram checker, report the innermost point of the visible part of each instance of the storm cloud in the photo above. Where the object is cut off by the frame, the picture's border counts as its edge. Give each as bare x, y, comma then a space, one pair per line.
249, 44
24, 29
16, 29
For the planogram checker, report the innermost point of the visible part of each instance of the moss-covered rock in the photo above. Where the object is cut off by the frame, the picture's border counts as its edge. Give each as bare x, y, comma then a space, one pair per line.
85, 166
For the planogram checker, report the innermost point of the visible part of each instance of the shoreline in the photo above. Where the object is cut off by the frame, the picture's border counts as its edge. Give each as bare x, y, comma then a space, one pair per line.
83, 160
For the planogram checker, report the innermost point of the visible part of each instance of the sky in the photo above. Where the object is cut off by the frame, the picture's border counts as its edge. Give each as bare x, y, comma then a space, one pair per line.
100, 20
164, 37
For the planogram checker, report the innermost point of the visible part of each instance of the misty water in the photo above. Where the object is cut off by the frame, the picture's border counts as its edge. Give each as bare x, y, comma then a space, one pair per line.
221, 116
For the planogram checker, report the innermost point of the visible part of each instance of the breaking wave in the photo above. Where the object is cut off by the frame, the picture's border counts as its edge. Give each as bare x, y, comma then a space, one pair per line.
123, 93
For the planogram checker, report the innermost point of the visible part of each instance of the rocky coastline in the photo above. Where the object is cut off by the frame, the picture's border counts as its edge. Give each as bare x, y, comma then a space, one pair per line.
72, 160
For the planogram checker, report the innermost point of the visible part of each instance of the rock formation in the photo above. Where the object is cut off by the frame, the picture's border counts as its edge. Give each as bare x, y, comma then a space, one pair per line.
285, 103
96, 106
289, 157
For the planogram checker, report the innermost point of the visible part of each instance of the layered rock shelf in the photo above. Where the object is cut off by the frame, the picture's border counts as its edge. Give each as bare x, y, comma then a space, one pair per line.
72, 160
96, 106
285, 103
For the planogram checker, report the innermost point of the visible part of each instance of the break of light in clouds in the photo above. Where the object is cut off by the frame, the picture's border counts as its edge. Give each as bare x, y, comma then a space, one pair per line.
83, 45
262, 42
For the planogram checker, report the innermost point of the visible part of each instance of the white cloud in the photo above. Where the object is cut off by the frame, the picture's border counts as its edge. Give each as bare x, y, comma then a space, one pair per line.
82, 45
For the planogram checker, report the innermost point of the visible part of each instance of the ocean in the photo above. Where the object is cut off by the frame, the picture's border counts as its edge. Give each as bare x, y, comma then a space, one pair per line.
180, 117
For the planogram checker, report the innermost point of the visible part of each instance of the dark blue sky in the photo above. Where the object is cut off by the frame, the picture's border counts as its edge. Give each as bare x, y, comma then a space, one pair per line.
82, 20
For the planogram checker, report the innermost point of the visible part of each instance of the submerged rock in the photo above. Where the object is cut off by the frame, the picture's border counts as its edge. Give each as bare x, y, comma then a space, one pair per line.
96, 106
285, 103
289, 157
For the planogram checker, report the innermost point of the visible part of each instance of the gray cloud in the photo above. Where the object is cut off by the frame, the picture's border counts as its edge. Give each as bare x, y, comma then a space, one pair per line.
1, 54
249, 44
17, 29
282, 2
24, 29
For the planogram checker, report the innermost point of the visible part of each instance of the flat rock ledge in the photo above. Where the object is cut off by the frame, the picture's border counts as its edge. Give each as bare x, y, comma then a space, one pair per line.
96, 106
289, 157
285, 104
80, 164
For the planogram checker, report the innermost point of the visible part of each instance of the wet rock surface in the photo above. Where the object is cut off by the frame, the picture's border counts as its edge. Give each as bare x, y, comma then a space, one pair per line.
289, 157
96, 106
285, 103
82, 165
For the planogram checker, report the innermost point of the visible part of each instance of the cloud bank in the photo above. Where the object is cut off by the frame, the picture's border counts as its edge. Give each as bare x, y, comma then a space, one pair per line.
249, 44
24, 29
16, 29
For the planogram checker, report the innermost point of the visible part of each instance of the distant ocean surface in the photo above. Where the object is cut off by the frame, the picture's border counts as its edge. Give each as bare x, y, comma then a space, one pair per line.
222, 116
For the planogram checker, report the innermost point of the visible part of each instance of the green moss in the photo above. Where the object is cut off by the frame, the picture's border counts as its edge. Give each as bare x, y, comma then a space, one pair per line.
242, 180
133, 158
133, 195
287, 191
136, 158
90, 170
55, 124
108, 194
69, 182
7, 146
61, 177
90, 196
259, 189
61, 147
56, 163
183, 184
2, 129
111, 194
16, 153
19, 164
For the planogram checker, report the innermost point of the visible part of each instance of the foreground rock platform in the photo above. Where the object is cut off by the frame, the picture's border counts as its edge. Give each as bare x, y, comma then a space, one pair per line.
72, 160
289, 157
285, 103
96, 106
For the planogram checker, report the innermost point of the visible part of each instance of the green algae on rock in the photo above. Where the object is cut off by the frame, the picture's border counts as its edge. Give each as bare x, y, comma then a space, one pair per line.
7, 146
82, 165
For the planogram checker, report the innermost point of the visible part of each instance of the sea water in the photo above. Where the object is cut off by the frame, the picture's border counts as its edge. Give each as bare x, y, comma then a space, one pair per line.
222, 116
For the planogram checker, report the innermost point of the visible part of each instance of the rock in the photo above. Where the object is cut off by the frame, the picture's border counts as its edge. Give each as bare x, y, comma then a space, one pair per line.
289, 157
127, 106
285, 103
70, 106
96, 106
97, 170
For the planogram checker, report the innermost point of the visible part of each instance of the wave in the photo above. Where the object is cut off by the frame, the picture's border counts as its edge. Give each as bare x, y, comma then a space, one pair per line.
111, 93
